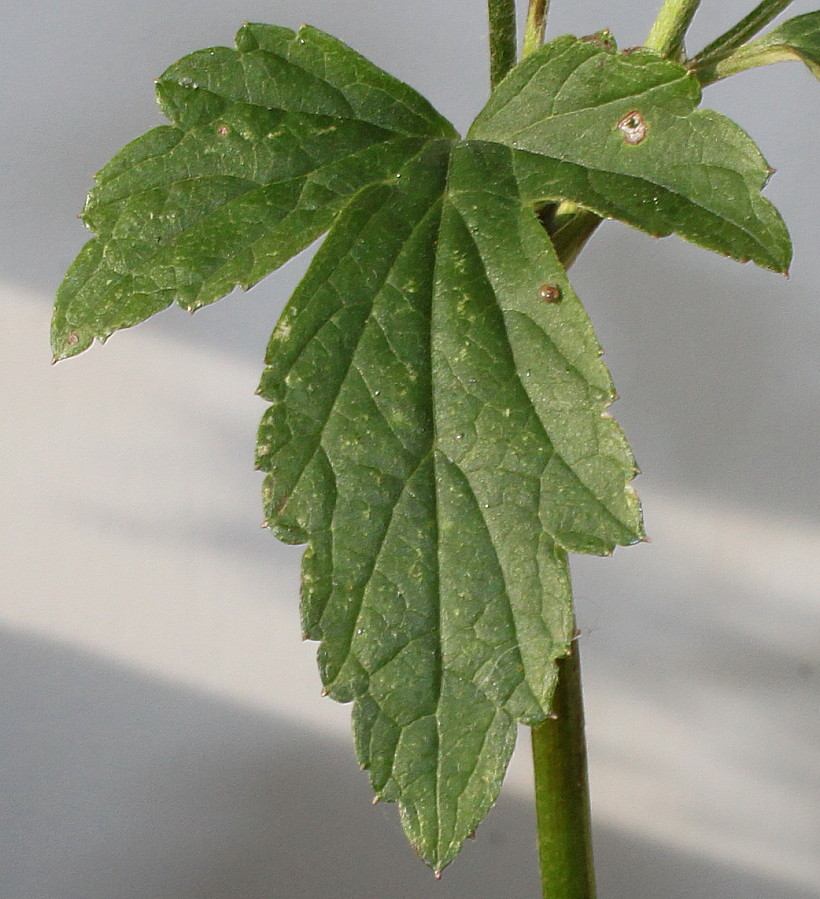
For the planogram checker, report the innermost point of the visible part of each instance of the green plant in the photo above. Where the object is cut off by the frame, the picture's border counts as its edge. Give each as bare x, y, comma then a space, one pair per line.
437, 431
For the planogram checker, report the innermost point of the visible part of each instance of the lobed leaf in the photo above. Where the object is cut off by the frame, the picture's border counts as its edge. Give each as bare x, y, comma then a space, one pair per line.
268, 143
619, 134
437, 432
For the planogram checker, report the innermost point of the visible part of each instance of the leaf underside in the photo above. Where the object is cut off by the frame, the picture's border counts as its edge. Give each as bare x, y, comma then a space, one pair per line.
437, 432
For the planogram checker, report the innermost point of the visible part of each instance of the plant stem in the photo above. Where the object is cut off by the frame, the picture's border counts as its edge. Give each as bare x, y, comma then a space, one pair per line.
562, 791
747, 27
502, 38
535, 27
571, 228
562, 807
670, 27
762, 52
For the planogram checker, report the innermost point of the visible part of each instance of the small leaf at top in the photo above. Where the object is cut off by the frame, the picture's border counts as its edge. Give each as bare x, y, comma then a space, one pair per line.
619, 134
800, 36
268, 142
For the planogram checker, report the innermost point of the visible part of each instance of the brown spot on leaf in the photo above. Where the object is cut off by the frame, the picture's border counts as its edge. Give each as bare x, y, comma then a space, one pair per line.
72, 339
550, 293
633, 127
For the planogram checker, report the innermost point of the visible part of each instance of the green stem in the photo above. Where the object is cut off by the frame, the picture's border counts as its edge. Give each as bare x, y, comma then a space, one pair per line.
571, 228
559, 757
674, 18
502, 38
746, 28
757, 53
535, 27
562, 791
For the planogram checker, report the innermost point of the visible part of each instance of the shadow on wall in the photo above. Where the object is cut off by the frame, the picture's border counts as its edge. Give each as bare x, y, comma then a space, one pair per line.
118, 784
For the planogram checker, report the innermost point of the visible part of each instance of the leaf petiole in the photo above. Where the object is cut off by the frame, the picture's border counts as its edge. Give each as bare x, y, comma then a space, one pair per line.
746, 28
797, 40
535, 27
502, 38
667, 34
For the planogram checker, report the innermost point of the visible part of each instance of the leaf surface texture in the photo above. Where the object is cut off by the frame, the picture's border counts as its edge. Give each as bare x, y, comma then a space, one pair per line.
567, 108
437, 431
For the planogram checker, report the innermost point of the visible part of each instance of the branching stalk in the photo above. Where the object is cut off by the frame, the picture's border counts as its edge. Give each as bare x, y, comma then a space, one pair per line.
753, 55
535, 27
562, 791
746, 28
670, 27
502, 38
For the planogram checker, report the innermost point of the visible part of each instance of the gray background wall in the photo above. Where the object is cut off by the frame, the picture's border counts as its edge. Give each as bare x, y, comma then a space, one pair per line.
161, 729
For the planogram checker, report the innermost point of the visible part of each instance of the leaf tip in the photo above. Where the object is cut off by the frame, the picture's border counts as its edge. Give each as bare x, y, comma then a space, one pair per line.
66, 344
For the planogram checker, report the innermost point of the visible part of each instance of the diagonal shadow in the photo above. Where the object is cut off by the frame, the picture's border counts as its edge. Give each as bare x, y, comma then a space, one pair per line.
119, 785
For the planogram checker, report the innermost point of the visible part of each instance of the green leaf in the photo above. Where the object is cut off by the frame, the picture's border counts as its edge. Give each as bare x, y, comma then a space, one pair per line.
619, 134
798, 38
268, 143
437, 432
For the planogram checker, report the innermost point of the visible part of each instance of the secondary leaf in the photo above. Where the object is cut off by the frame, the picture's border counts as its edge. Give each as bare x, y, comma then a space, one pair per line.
800, 37
437, 431
619, 133
268, 143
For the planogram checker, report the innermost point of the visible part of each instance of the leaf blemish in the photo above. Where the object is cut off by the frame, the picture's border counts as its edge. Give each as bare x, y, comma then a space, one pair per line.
223, 130
550, 293
633, 127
